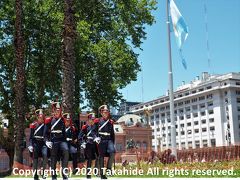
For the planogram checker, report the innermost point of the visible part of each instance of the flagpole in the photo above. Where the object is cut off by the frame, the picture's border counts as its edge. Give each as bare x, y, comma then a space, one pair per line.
171, 97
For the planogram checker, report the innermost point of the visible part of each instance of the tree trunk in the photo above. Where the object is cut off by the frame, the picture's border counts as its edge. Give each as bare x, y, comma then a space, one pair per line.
68, 57
77, 94
20, 84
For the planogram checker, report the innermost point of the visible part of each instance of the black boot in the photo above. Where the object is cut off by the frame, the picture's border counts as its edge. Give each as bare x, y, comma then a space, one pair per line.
103, 177
36, 177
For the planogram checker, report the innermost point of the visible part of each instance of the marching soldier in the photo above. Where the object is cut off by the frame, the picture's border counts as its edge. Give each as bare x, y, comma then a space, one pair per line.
71, 137
106, 137
36, 143
55, 139
86, 137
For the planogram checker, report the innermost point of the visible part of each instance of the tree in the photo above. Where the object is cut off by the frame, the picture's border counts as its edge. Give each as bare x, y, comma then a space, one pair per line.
68, 57
106, 33
20, 87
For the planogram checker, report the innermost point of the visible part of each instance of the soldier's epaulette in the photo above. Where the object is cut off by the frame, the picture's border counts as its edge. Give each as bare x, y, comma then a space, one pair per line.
111, 121
33, 125
47, 120
73, 128
96, 120
84, 127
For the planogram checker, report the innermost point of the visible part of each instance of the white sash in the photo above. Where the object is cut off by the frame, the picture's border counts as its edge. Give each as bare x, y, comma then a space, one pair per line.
55, 124
67, 129
103, 125
39, 127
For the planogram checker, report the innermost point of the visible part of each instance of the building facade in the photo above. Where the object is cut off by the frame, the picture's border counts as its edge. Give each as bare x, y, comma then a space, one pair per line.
207, 113
132, 127
125, 107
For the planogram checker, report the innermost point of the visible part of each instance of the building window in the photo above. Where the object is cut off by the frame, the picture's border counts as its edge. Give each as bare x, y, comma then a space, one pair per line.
210, 111
238, 108
180, 111
197, 144
182, 133
204, 129
188, 116
182, 125
211, 120
209, 96
195, 114
195, 123
190, 144
189, 131
196, 131
210, 104
187, 93
238, 100
193, 92
181, 117
205, 143
213, 142
194, 100
194, 107
202, 105
226, 100
237, 92
204, 121
189, 124
212, 128
188, 108
180, 103
203, 113
187, 102
200, 90
238, 83
209, 87
201, 98
225, 93
175, 112
183, 145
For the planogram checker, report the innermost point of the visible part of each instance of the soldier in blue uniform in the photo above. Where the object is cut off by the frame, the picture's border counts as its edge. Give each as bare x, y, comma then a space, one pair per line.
72, 141
55, 139
86, 137
37, 146
106, 139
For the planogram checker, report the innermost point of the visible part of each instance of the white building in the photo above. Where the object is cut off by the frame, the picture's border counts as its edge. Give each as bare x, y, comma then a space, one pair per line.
207, 113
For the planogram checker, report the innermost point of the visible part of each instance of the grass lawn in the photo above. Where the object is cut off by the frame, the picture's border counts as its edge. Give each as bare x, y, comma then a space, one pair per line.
184, 170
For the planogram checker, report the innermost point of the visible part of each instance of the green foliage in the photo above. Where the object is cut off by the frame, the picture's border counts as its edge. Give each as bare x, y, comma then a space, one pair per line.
106, 61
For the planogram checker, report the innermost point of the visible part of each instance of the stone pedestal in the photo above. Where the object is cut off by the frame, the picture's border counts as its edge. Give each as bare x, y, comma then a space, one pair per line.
129, 157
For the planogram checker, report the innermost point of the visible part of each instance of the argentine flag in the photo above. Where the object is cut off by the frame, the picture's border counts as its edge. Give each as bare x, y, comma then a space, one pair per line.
179, 27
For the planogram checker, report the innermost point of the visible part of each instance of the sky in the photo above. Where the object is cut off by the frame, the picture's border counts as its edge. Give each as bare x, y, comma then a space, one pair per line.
223, 21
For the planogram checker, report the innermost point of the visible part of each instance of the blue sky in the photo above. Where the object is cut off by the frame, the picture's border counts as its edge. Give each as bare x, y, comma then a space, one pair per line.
224, 40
